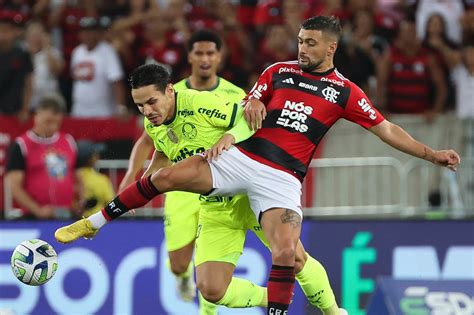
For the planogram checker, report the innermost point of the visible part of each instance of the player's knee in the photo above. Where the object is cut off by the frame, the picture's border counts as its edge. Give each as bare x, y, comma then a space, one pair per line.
211, 291
178, 267
164, 179
284, 254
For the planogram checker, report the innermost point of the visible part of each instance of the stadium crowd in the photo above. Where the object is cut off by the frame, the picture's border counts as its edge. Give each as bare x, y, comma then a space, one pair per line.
51, 45
410, 56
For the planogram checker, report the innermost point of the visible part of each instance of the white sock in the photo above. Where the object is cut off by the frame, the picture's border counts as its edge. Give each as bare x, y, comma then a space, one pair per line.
97, 220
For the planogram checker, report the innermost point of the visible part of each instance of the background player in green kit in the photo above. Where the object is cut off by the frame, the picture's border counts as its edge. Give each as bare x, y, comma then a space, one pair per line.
181, 209
188, 124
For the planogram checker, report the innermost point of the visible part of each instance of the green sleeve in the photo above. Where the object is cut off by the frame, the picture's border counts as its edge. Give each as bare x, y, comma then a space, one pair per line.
215, 110
240, 130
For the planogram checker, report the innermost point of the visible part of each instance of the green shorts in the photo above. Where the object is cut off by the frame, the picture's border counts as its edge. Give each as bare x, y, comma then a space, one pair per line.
222, 228
181, 219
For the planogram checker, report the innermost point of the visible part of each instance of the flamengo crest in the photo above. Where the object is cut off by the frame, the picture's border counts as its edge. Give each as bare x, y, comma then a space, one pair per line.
330, 94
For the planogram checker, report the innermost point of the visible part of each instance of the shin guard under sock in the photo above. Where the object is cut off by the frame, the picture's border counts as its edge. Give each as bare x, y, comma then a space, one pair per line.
280, 289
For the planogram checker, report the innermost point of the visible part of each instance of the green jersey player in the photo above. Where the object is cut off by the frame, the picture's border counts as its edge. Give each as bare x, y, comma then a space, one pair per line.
191, 124
199, 120
181, 209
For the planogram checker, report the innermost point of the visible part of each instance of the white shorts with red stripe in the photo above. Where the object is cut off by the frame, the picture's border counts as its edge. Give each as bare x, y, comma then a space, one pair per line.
266, 187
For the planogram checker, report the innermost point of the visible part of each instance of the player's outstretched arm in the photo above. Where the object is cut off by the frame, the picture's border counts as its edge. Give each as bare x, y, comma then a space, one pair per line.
140, 152
398, 138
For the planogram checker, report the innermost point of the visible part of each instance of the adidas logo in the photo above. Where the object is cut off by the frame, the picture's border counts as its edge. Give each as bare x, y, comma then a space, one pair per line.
289, 81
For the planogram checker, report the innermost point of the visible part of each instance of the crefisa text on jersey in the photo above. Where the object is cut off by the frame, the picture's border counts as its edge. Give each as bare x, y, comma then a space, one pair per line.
212, 113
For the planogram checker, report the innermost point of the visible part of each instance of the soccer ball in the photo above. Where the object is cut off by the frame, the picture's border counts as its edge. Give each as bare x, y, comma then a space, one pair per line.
34, 262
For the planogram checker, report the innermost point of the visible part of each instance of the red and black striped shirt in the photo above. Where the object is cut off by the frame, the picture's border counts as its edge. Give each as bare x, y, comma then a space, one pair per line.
409, 83
301, 107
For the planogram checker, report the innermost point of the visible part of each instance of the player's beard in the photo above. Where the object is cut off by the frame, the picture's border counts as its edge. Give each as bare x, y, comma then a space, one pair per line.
311, 66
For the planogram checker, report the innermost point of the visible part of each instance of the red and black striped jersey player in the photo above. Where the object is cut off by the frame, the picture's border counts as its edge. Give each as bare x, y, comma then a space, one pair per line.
290, 108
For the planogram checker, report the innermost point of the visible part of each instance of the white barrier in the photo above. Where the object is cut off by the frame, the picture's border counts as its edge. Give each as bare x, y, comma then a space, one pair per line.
396, 186
361, 187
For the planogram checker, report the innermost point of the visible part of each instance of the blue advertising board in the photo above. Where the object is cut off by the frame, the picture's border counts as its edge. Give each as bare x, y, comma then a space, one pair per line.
356, 253
406, 297
122, 271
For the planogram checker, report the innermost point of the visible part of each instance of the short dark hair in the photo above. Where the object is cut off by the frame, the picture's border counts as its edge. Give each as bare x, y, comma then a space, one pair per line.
52, 102
150, 74
329, 24
204, 36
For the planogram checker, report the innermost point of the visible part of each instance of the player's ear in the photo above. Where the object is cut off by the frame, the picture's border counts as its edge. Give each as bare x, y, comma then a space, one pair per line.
332, 48
169, 89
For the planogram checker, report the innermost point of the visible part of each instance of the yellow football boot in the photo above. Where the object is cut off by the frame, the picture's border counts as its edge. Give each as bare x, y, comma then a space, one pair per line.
72, 232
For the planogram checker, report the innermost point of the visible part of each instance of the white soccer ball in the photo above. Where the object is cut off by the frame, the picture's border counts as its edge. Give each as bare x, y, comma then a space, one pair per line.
34, 262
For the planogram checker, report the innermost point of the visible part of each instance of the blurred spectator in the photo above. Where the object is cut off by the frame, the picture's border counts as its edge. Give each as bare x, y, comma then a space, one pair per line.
98, 90
177, 10
67, 15
406, 76
40, 10
126, 32
238, 51
204, 14
275, 46
98, 190
267, 12
47, 63
384, 17
331, 7
41, 164
393, 8
64, 17
21, 6
364, 35
366, 38
451, 10
358, 5
294, 12
115, 8
160, 46
123, 41
435, 39
467, 24
355, 62
461, 64
360, 50
245, 13
15, 67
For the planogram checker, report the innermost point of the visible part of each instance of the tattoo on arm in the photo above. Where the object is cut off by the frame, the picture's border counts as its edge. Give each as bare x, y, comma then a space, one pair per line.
291, 217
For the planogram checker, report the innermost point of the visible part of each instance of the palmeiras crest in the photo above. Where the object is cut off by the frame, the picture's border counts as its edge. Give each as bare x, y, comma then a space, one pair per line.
189, 131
